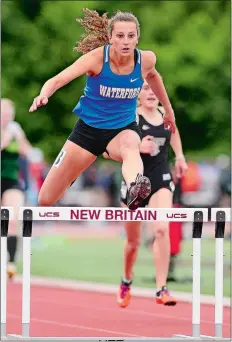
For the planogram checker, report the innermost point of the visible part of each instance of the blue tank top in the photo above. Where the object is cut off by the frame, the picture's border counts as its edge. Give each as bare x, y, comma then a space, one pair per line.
110, 100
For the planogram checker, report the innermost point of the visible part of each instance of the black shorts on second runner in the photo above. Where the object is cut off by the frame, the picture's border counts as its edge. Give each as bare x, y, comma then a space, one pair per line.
9, 184
160, 177
95, 140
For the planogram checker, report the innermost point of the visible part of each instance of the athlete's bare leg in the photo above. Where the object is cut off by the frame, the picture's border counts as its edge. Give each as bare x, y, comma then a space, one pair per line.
125, 147
133, 235
13, 198
161, 246
70, 163
133, 239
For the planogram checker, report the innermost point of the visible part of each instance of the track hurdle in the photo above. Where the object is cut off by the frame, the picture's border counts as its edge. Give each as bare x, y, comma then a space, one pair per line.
220, 216
197, 215
6, 215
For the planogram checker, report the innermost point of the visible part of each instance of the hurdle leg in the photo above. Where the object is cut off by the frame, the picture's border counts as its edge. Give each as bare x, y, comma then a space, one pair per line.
26, 295
196, 272
219, 264
4, 233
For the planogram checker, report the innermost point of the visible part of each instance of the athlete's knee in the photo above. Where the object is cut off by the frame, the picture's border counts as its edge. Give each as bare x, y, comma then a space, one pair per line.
161, 229
13, 227
133, 244
130, 140
45, 199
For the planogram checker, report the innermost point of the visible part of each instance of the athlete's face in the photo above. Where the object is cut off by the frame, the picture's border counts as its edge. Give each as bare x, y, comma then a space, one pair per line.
7, 113
147, 98
124, 37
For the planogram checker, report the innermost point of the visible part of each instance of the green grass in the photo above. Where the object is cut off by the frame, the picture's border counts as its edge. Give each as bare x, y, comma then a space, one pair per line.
101, 260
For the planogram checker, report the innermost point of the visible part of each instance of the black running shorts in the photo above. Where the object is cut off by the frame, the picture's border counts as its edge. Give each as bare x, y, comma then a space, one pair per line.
95, 140
9, 184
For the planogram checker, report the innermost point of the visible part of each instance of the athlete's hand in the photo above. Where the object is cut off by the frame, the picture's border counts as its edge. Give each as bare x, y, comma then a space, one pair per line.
169, 120
181, 167
39, 101
148, 146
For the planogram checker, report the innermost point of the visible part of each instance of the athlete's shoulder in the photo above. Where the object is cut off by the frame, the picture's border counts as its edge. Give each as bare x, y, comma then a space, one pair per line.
148, 58
161, 110
138, 116
93, 55
98, 52
95, 59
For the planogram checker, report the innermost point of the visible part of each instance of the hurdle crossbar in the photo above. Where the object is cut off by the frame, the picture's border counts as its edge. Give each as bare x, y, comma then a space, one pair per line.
113, 214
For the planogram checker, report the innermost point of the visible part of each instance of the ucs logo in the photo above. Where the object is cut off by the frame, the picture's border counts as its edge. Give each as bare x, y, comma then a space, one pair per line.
176, 215
49, 214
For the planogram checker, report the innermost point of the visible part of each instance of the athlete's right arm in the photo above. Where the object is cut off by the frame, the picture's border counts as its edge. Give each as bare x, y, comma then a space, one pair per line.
88, 63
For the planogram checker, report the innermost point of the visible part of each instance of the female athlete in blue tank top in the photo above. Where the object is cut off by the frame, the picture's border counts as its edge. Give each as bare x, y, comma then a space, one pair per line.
115, 71
109, 99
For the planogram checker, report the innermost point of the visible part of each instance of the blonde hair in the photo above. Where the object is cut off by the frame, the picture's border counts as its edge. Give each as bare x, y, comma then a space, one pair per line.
99, 28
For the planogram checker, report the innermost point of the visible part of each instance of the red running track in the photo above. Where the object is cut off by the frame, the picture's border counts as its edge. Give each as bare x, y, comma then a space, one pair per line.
71, 313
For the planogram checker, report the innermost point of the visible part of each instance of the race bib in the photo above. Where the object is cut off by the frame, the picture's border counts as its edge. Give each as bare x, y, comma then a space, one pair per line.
123, 190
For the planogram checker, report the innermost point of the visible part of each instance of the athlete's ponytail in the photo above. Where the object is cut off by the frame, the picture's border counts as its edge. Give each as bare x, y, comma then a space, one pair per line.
98, 29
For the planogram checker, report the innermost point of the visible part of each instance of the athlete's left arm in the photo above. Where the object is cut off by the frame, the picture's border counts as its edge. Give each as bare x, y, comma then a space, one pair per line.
155, 81
25, 147
176, 144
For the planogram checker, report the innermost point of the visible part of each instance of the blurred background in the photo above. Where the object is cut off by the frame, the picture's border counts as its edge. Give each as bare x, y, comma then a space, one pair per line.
192, 42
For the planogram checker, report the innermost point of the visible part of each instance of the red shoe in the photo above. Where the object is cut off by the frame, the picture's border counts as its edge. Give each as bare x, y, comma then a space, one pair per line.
11, 270
163, 297
124, 295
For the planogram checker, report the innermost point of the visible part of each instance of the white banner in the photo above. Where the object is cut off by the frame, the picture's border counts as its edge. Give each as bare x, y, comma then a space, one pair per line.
113, 214
11, 212
215, 210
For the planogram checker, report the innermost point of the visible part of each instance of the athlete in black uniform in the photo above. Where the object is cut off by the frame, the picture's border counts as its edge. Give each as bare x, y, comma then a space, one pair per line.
154, 151
156, 164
